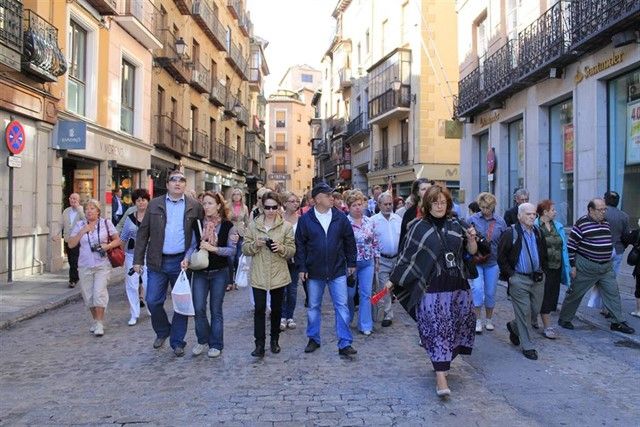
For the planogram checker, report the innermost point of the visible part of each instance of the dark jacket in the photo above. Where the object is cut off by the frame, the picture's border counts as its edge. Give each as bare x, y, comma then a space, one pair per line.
325, 256
509, 251
150, 236
408, 216
511, 216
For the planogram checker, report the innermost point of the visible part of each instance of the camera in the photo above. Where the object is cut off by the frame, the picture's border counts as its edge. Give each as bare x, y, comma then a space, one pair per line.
537, 276
269, 242
98, 248
450, 260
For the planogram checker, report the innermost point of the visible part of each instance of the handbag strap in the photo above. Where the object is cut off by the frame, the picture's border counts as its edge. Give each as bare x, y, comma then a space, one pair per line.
490, 230
108, 234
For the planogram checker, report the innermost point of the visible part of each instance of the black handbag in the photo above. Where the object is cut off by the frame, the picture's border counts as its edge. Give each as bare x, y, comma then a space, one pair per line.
634, 256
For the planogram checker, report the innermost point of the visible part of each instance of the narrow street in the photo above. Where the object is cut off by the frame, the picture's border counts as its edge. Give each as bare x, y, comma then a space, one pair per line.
54, 372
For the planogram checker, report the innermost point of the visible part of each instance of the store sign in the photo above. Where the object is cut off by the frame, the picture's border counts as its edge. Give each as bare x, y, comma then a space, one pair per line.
590, 71
279, 176
633, 136
70, 135
489, 118
567, 148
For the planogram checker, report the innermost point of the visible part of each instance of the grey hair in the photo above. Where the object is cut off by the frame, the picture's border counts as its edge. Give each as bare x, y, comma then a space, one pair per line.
520, 192
524, 206
383, 195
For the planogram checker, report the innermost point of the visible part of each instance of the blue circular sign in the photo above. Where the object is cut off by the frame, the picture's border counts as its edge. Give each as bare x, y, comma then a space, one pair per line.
15, 138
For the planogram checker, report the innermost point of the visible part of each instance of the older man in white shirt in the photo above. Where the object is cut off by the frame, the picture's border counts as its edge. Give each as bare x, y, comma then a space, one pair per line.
387, 229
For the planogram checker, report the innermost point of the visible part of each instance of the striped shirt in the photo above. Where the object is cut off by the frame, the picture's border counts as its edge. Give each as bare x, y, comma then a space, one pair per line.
591, 240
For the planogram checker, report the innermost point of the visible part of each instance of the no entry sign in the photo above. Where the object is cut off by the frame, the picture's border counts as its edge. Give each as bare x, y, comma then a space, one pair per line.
15, 138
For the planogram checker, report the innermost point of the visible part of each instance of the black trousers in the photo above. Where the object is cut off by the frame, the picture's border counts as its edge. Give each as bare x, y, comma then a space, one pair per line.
260, 297
72, 256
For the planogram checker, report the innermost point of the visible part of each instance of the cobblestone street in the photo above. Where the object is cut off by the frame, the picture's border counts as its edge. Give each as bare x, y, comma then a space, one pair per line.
54, 372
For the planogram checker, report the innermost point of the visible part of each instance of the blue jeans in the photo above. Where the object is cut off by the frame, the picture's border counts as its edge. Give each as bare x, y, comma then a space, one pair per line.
364, 272
157, 284
290, 294
484, 287
209, 284
338, 292
617, 260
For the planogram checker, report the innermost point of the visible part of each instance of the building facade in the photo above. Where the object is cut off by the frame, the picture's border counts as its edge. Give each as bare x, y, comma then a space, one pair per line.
550, 95
150, 86
386, 95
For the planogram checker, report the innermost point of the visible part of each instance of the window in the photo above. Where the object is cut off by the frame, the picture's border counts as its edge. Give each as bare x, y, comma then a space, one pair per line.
483, 149
213, 134
127, 97
482, 35
367, 42
512, 18
299, 117
384, 36
561, 157
281, 140
299, 140
281, 119
193, 125
516, 156
280, 166
227, 137
228, 35
307, 78
406, 23
77, 69
624, 141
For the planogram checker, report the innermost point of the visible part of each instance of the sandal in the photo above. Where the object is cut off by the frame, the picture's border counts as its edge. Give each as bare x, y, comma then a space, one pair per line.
229, 288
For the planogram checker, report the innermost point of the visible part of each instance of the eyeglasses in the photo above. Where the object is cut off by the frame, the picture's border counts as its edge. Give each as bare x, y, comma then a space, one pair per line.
601, 209
177, 178
440, 203
271, 207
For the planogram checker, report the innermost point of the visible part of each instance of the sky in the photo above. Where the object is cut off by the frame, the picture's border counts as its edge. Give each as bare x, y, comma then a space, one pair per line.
298, 32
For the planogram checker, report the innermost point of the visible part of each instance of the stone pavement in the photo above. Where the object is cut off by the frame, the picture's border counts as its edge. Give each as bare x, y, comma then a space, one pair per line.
54, 372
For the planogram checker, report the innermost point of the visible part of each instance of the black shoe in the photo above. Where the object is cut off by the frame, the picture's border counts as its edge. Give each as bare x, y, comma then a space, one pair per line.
311, 346
513, 337
178, 351
567, 325
72, 284
622, 327
158, 342
141, 304
606, 314
535, 326
386, 323
530, 354
347, 351
275, 347
259, 351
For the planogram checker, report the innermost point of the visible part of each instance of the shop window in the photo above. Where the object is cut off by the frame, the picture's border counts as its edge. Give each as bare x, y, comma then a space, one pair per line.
624, 141
128, 95
77, 81
561, 160
483, 149
516, 155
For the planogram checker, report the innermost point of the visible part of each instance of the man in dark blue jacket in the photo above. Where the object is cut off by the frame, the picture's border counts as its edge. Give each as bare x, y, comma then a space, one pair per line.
326, 254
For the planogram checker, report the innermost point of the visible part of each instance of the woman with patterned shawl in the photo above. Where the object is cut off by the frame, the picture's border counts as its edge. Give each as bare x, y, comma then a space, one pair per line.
430, 281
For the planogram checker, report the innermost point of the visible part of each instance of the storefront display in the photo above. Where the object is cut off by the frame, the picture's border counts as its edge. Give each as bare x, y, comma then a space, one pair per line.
561, 159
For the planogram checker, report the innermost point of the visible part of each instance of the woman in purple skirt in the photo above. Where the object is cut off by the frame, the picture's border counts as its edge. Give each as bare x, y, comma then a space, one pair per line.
430, 281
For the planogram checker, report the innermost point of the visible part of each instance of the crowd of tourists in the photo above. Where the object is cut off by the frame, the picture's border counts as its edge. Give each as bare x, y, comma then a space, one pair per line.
441, 266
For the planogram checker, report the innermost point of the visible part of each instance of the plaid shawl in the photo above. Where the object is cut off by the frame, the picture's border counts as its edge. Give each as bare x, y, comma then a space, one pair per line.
422, 259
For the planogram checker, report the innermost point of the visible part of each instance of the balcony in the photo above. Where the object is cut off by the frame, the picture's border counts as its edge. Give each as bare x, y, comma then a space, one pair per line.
245, 24
381, 160
392, 103
230, 105
279, 169
344, 77
11, 34
255, 78
41, 56
184, 6
230, 157
200, 144
242, 115
357, 129
280, 146
200, 77
401, 154
244, 164
561, 34
141, 19
168, 58
105, 7
235, 7
237, 61
170, 136
210, 24
217, 93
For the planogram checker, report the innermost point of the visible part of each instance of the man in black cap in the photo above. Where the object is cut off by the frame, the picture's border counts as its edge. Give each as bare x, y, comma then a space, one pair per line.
326, 254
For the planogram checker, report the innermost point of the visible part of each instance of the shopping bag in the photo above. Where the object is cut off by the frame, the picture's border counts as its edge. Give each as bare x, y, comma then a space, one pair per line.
181, 296
595, 300
242, 274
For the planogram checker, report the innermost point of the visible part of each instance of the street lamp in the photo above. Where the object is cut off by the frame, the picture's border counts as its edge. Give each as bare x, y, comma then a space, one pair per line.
181, 47
396, 84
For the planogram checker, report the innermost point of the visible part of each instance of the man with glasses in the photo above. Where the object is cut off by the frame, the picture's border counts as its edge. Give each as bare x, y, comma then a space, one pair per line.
325, 255
590, 248
387, 229
166, 240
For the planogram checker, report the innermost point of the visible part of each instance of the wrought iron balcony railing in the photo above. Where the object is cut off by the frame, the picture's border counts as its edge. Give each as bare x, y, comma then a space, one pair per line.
200, 77
170, 135
498, 70
358, 127
279, 169
235, 7
594, 21
217, 93
242, 115
168, 58
236, 59
142, 20
390, 100
246, 26
401, 154
200, 143
41, 56
105, 7
210, 24
11, 33
230, 104
381, 160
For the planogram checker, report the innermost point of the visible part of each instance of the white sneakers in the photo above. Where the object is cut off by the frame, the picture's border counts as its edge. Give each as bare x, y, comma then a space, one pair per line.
197, 349
283, 324
489, 325
287, 323
291, 324
132, 321
213, 352
478, 326
99, 329
93, 327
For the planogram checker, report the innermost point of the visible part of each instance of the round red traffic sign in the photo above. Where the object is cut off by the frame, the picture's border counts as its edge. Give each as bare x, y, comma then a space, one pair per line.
15, 138
491, 160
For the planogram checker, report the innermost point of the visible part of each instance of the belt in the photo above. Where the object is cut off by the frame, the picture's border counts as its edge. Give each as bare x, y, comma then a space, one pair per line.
173, 255
388, 256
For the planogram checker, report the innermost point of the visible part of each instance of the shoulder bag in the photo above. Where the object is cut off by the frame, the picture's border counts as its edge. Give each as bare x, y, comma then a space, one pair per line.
116, 255
199, 259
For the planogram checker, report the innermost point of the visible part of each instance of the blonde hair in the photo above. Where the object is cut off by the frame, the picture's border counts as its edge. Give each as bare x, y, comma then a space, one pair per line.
94, 203
488, 200
354, 196
234, 191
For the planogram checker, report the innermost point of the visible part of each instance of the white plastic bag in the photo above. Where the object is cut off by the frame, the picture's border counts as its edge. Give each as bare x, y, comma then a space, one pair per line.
181, 296
595, 300
244, 268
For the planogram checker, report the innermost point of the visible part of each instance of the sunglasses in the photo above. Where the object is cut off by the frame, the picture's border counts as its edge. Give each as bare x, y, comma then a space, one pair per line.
270, 207
177, 178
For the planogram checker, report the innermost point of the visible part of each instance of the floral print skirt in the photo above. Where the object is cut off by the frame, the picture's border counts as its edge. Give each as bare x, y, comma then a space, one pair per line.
446, 323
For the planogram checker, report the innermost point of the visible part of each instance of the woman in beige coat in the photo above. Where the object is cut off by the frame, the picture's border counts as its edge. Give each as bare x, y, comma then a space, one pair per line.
270, 241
